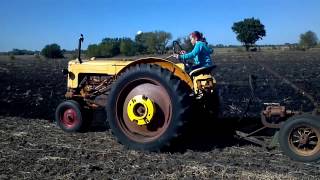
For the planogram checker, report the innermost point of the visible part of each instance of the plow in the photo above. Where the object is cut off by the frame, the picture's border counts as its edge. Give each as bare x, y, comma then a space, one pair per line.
149, 101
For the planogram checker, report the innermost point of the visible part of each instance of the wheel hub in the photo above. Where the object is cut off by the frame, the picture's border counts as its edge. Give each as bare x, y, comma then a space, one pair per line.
69, 118
141, 110
304, 139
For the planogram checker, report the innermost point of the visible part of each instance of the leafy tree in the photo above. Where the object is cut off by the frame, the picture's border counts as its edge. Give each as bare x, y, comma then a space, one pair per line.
141, 46
52, 51
249, 31
152, 42
127, 47
186, 44
145, 43
93, 51
107, 49
162, 39
308, 40
110, 47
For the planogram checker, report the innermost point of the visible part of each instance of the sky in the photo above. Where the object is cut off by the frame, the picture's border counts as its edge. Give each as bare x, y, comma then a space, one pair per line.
32, 24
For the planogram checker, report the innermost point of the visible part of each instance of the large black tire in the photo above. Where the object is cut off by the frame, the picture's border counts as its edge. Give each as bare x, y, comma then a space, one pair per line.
299, 138
171, 97
68, 116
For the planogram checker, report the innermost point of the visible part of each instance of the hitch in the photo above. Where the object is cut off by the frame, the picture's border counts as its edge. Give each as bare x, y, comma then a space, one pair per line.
275, 114
271, 117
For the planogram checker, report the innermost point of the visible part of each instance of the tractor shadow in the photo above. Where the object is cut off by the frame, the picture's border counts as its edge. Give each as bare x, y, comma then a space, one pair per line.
205, 134
201, 133
98, 123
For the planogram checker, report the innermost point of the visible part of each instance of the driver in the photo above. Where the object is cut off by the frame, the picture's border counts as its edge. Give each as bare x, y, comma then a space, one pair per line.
200, 53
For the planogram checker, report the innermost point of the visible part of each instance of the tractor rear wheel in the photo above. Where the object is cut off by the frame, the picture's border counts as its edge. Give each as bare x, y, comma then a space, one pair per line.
147, 107
299, 138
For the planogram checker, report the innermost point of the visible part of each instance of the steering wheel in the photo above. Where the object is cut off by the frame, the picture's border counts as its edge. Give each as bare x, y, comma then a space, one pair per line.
177, 49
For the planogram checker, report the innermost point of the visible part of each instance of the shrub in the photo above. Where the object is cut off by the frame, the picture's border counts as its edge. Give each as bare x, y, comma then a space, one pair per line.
37, 56
52, 51
12, 57
239, 49
308, 40
21, 52
74, 56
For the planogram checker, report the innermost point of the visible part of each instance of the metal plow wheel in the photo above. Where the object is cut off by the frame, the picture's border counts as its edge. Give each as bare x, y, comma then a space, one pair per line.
299, 138
304, 140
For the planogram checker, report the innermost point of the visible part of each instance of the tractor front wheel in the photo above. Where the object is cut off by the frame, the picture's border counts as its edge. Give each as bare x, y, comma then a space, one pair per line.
68, 116
299, 138
147, 107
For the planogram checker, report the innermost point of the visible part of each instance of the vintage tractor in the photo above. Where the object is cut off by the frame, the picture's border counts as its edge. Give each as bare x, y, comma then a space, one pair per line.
148, 101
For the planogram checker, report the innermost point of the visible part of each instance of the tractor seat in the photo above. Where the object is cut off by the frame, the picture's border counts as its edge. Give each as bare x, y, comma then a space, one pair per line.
202, 70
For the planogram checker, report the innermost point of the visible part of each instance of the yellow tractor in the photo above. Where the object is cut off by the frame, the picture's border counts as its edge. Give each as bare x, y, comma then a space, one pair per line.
147, 101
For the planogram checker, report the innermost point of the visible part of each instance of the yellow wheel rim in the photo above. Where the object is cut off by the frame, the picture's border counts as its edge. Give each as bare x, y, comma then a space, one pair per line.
140, 109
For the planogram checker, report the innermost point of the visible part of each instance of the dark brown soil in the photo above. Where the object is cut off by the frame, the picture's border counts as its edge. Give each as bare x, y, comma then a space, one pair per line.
32, 147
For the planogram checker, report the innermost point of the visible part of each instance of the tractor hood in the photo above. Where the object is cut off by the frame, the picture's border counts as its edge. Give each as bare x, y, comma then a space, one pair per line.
115, 66
99, 66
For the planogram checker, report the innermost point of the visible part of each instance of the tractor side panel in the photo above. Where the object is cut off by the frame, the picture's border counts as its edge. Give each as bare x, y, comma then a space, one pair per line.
116, 67
176, 69
107, 67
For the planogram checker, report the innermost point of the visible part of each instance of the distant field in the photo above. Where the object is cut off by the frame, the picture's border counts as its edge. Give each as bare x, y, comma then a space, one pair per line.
37, 85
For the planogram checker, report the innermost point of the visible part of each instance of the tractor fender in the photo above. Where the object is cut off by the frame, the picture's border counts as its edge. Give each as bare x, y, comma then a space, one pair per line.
176, 69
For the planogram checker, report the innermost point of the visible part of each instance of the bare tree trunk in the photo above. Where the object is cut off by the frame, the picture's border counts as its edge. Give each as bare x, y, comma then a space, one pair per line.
247, 47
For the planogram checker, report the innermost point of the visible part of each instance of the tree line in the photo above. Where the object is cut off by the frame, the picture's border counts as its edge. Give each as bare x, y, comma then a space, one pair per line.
248, 32
144, 43
22, 52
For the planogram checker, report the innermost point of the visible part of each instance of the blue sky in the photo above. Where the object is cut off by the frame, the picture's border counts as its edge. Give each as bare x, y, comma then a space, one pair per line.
31, 24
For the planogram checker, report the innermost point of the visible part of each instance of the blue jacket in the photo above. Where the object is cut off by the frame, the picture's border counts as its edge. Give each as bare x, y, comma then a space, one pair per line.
200, 54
